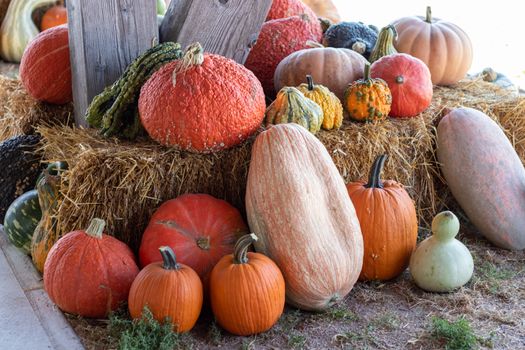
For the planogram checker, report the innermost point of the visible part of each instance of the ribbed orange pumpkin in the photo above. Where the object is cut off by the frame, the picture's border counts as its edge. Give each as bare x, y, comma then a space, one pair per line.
45, 70
89, 273
409, 81
298, 206
170, 290
388, 222
199, 228
54, 16
279, 38
202, 103
444, 47
247, 290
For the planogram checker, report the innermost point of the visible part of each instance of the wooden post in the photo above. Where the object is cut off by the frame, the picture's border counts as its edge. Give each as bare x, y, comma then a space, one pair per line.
225, 27
104, 37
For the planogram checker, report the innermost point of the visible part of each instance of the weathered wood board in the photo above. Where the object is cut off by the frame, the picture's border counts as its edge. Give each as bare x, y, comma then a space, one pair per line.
104, 37
225, 27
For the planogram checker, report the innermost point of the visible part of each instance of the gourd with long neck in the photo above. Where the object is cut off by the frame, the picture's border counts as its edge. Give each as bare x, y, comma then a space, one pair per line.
385, 43
18, 28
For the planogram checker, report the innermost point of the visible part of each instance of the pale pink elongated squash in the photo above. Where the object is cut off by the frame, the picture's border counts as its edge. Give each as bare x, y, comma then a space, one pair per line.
298, 206
484, 174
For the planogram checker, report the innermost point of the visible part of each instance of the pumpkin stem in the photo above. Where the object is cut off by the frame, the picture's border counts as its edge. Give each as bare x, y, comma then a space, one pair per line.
314, 44
429, 15
367, 71
204, 243
240, 252
96, 228
169, 259
194, 56
374, 179
310, 81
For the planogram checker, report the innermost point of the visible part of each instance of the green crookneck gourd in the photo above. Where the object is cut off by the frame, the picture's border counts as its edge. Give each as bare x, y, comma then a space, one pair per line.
18, 28
385, 43
441, 263
291, 106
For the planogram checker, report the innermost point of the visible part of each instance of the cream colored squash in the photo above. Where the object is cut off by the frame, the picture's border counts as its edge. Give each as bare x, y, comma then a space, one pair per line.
298, 205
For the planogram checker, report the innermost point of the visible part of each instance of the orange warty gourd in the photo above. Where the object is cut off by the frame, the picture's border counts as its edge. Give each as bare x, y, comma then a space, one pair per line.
55, 16
170, 290
443, 46
45, 70
247, 290
201, 103
388, 222
199, 228
288, 8
298, 206
89, 273
279, 38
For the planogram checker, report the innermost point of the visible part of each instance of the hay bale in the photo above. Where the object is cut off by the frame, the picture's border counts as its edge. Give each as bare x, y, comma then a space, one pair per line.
125, 182
20, 113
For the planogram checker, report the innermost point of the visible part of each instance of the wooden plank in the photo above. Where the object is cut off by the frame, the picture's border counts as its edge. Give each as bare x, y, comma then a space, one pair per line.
104, 37
225, 27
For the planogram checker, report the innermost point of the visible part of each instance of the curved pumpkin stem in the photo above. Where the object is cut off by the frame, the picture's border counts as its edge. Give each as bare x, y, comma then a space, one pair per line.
429, 15
310, 82
96, 228
314, 44
168, 258
374, 178
194, 56
240, 254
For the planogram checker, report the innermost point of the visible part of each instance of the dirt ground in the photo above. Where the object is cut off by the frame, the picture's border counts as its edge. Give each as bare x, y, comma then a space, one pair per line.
391, 315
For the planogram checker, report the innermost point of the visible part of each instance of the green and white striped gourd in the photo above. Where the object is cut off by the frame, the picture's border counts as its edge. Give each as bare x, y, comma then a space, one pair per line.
21, 219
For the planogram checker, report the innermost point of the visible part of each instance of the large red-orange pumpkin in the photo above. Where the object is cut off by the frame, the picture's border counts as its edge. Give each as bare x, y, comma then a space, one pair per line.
199, 228
485, 175
89, 273
170, 290
443, 46
279, 38
409, 81
54, 16
388, 222
201, 103
328, 66
298, 206
289, 8
247, 290
45, 70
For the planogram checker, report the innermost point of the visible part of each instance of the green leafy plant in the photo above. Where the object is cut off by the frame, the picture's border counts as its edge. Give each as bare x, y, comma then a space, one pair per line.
145, 333
457, 335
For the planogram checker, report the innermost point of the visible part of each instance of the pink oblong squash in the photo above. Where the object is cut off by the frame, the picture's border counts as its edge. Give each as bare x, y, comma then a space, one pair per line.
298, 205
485, 175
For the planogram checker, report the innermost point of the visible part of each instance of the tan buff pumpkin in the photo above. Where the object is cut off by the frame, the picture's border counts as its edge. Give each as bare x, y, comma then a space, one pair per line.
329, 103
328, 66
444, 47
298, 205
324, 9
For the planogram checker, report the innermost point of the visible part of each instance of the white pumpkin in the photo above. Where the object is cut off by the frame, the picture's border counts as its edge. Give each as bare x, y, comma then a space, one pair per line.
441, 263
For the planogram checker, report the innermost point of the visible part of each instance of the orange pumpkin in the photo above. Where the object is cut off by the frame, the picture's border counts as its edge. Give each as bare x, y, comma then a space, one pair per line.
324, 9
443, 46
201, 103
89, 273
54, 16
388, 222
298, 205
45, 70
247, 290
170, 290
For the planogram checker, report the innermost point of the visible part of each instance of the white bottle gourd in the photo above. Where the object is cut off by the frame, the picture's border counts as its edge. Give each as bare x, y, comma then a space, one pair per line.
441, 263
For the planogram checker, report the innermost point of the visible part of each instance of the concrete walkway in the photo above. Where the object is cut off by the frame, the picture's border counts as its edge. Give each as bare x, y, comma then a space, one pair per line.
28, 319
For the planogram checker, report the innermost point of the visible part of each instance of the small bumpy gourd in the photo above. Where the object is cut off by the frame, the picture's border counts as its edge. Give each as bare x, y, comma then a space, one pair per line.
327, 100
291, 106
441, 263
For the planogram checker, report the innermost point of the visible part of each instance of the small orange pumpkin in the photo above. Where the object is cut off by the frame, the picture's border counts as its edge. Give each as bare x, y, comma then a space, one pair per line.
170, 290
388, 222
55, 16
247, 290
368, 99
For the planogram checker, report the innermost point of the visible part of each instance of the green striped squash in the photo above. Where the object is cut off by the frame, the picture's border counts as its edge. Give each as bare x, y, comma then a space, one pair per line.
291, 106
21, 219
